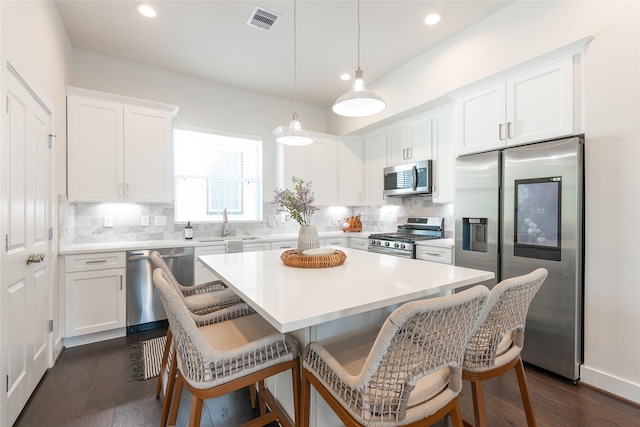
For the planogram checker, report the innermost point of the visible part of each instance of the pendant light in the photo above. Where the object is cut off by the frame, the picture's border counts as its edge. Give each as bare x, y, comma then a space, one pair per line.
293, 135
359, 102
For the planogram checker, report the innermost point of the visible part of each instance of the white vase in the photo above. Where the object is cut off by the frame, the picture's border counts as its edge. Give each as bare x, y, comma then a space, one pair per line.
307, 238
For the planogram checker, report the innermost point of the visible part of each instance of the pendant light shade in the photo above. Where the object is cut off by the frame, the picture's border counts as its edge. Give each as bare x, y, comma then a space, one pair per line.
293, 135
359, 102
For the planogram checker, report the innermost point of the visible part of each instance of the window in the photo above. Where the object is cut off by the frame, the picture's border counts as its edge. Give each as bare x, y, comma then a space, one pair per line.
214, 171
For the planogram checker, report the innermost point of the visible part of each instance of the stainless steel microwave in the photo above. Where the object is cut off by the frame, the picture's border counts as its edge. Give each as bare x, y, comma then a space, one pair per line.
408, 179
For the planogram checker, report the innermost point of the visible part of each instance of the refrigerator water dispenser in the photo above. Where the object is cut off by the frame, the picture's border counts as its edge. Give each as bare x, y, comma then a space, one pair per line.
474, 234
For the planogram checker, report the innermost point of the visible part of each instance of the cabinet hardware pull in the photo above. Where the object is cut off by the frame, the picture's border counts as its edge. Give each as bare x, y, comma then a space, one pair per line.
432, 254
127, 191
500, 131
120, 189
120, 282
409, 155
509, 130
95, 261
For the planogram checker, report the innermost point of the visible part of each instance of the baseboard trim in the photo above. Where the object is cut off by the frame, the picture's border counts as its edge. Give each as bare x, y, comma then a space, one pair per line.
611, 384
95, 337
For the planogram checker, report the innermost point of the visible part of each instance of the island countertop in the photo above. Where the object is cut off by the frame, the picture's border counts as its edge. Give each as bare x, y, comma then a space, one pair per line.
292, 298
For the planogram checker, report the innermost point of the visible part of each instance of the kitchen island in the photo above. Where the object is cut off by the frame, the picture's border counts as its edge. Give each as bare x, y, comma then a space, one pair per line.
317, 303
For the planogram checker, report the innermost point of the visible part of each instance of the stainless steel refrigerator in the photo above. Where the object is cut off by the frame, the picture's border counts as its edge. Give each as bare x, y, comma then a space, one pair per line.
521, 208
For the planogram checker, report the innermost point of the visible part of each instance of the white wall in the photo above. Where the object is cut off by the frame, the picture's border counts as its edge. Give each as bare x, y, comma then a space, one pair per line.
201, 103
35, 42
611, 105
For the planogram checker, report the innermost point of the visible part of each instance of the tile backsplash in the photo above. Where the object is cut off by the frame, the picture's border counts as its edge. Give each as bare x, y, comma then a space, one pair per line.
117, 222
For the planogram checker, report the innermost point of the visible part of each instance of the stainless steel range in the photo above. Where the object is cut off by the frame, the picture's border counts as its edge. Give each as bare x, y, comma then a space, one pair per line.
402, 243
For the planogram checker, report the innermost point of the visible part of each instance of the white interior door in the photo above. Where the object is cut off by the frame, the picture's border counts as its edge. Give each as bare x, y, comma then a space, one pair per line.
25, 221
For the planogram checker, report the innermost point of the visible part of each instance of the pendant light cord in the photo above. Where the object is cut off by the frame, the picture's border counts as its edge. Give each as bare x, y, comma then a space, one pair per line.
295, 61
358, 34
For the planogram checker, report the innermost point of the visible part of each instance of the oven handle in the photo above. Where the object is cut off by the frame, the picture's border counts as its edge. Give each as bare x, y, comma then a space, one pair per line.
392, 252
414, 178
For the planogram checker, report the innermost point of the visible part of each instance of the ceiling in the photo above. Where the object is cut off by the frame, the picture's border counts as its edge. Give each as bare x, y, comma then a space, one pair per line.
211, 39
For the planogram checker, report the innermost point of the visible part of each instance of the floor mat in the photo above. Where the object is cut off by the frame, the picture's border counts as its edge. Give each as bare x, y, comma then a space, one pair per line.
145, 358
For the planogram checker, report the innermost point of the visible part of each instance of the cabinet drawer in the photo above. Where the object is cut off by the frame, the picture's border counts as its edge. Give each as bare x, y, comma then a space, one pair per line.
285, 244
89, 262
334, 241
255, 246
209, 250
358, 243
435, 254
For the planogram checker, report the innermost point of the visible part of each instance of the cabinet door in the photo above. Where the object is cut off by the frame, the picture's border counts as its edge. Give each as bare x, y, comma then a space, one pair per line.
284, 244
375, 149
435, 254
94, 301
540, 104
202, 274
94, 150
420, 140
350, 172
398, 148
481, 120
148, 155
443, 158
294, 163
322, 165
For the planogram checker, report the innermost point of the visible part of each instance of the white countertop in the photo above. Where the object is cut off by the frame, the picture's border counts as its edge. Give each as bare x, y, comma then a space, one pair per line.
82, 248
293, 298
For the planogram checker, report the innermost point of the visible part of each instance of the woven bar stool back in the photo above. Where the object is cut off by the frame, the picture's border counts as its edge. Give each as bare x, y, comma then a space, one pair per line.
408, 373
495, 348
227, 356
200, 299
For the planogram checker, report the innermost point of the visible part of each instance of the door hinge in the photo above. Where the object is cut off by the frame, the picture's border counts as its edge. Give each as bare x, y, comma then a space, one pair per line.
51, 325
50, 233
51, 140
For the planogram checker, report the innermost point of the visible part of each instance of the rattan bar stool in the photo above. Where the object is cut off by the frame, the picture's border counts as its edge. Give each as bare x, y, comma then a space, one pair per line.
406, 373
227, 356
201, 299
495, 348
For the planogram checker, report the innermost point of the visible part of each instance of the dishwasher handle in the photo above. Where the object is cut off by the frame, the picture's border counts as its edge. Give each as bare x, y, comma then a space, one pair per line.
140, 257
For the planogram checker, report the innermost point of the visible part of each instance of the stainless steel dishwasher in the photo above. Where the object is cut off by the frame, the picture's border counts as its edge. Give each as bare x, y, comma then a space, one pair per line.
144, 308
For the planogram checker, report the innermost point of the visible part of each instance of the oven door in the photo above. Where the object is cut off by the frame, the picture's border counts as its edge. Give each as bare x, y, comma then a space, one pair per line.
391, 251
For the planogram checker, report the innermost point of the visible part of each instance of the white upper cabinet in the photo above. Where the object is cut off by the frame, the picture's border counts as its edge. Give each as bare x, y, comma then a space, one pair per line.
409, 143
530, 107
443, 164
118, 149
350, 172
375, 160
316, 163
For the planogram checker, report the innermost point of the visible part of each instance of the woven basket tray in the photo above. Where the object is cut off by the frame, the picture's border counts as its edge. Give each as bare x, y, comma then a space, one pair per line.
292, 259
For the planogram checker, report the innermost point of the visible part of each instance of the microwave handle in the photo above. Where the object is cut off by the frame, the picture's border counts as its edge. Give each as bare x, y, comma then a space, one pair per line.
414, 180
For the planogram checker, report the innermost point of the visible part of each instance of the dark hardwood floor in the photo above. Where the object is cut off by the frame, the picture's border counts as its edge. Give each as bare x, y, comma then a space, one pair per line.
90, 386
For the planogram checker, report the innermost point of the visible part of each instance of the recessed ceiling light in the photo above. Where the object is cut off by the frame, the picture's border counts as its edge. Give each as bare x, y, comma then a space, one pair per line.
146, 10
345, 76
433, 18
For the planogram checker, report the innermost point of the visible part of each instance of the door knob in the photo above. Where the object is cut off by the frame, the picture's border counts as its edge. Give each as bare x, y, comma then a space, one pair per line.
34, 258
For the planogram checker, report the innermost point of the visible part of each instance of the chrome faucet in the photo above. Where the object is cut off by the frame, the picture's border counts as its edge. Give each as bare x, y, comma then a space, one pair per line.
225, 223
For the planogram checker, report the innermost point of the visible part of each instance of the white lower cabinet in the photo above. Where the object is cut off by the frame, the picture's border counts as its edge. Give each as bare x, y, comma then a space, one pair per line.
435, 254
94, 297
202, 274
361, 243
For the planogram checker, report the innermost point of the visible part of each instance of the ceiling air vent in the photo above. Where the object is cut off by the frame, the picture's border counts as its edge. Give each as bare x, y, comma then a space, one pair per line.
262, 18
